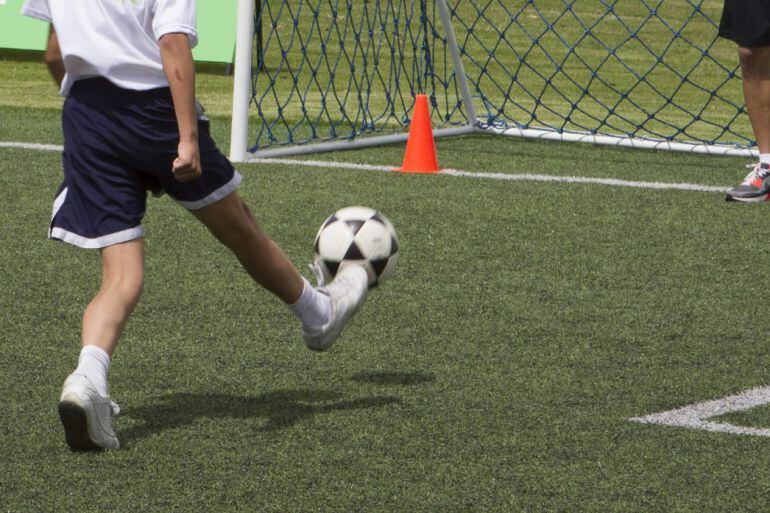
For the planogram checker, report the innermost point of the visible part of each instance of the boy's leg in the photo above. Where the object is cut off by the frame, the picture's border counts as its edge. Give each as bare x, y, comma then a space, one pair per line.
122, 282
232, 223
323, 312
85, 407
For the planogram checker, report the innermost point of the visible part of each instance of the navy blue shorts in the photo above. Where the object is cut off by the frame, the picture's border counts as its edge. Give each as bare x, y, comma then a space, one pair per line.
747, 22
118, 146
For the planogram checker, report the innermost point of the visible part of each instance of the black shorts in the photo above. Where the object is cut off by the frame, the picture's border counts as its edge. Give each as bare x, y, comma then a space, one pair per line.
119, 144
747, 22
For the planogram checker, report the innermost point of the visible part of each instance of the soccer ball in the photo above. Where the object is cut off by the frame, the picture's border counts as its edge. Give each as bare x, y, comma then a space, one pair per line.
356, 236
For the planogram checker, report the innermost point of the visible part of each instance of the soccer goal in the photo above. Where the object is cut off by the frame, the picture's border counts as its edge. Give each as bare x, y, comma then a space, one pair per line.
318, 75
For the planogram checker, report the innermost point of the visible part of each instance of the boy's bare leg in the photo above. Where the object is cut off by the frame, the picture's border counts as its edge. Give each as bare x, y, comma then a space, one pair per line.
108, 312
323, 312
231, 222
122, 282
85, 407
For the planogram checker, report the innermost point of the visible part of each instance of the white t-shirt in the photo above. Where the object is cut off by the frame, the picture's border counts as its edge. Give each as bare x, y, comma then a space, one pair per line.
115, 39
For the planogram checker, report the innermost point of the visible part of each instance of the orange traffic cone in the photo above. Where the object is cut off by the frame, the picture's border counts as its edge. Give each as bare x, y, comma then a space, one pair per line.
420, 156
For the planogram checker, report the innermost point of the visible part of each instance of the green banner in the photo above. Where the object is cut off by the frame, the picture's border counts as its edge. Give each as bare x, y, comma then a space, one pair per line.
216, 29
20, 32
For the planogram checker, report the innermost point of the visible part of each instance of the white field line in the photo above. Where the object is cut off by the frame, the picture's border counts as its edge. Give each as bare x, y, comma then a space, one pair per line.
509, 177
31, 146
614, 182
695, 416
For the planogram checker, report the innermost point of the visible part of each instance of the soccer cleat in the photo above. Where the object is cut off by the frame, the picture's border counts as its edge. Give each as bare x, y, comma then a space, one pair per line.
87, 416
347, 292
754, 188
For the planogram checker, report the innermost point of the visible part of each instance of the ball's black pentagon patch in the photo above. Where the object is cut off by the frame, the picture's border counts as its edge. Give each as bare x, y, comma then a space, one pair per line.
379, 265
377, 217
355, 224
329, 221
332, 266
354, 253
393, 246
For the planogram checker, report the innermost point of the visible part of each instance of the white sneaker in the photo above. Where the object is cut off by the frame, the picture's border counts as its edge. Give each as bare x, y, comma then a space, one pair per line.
754, 188
86, 415
347, 292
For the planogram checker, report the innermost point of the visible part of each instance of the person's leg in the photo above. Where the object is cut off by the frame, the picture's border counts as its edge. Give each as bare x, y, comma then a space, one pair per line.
755, 69
85, 407
122, 282
106, 315
232, 223
323, 312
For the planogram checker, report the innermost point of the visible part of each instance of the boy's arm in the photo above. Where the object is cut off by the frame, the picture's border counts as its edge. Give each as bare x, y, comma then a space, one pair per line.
180, 72
53, 57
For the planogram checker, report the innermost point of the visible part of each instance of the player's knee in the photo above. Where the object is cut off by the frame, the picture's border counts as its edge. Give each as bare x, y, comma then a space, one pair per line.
126, 284
240, 228
755, 62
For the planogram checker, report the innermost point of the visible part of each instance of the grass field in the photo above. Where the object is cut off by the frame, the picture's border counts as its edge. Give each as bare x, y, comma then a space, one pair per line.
497, 371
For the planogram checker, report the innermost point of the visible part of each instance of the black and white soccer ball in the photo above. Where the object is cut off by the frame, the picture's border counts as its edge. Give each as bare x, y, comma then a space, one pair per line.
356, 236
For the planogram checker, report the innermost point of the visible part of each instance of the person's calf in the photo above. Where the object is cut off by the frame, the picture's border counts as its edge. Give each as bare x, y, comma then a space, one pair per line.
122, 283
231, 222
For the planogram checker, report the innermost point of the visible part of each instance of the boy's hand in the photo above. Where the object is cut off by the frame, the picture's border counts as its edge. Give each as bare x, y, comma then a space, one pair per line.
187, 166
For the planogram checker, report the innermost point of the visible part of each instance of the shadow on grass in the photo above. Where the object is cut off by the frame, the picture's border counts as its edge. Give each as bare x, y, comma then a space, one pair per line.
394, 378
282, 409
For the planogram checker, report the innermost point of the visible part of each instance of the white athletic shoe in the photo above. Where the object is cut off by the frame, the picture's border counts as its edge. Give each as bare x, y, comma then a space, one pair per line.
86, 415
754, 188
347, 292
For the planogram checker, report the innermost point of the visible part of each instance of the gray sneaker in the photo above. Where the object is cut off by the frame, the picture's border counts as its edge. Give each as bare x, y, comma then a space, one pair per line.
347, 292
755, 187
87, 416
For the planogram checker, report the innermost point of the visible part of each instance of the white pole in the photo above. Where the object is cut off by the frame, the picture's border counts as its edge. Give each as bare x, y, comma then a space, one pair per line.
626, 142
460, 76
239, 130
357, 143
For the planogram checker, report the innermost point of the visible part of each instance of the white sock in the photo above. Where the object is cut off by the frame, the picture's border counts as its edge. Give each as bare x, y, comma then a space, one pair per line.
764, 158
312, 307
94, 362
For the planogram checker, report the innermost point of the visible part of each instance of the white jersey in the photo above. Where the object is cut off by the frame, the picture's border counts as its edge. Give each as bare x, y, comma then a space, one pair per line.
115, 39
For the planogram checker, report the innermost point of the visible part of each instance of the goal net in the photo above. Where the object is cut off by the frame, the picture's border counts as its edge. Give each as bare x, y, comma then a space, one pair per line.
313, 75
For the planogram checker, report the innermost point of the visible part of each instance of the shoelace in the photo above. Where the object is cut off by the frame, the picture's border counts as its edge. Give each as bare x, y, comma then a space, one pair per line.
315, 268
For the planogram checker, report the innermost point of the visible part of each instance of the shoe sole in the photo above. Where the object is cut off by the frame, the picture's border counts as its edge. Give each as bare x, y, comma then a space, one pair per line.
328, 341
332, 337
750, 199
73, 418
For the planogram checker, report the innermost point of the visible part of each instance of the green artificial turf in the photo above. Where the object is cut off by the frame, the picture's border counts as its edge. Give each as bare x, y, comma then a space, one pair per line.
527, 322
